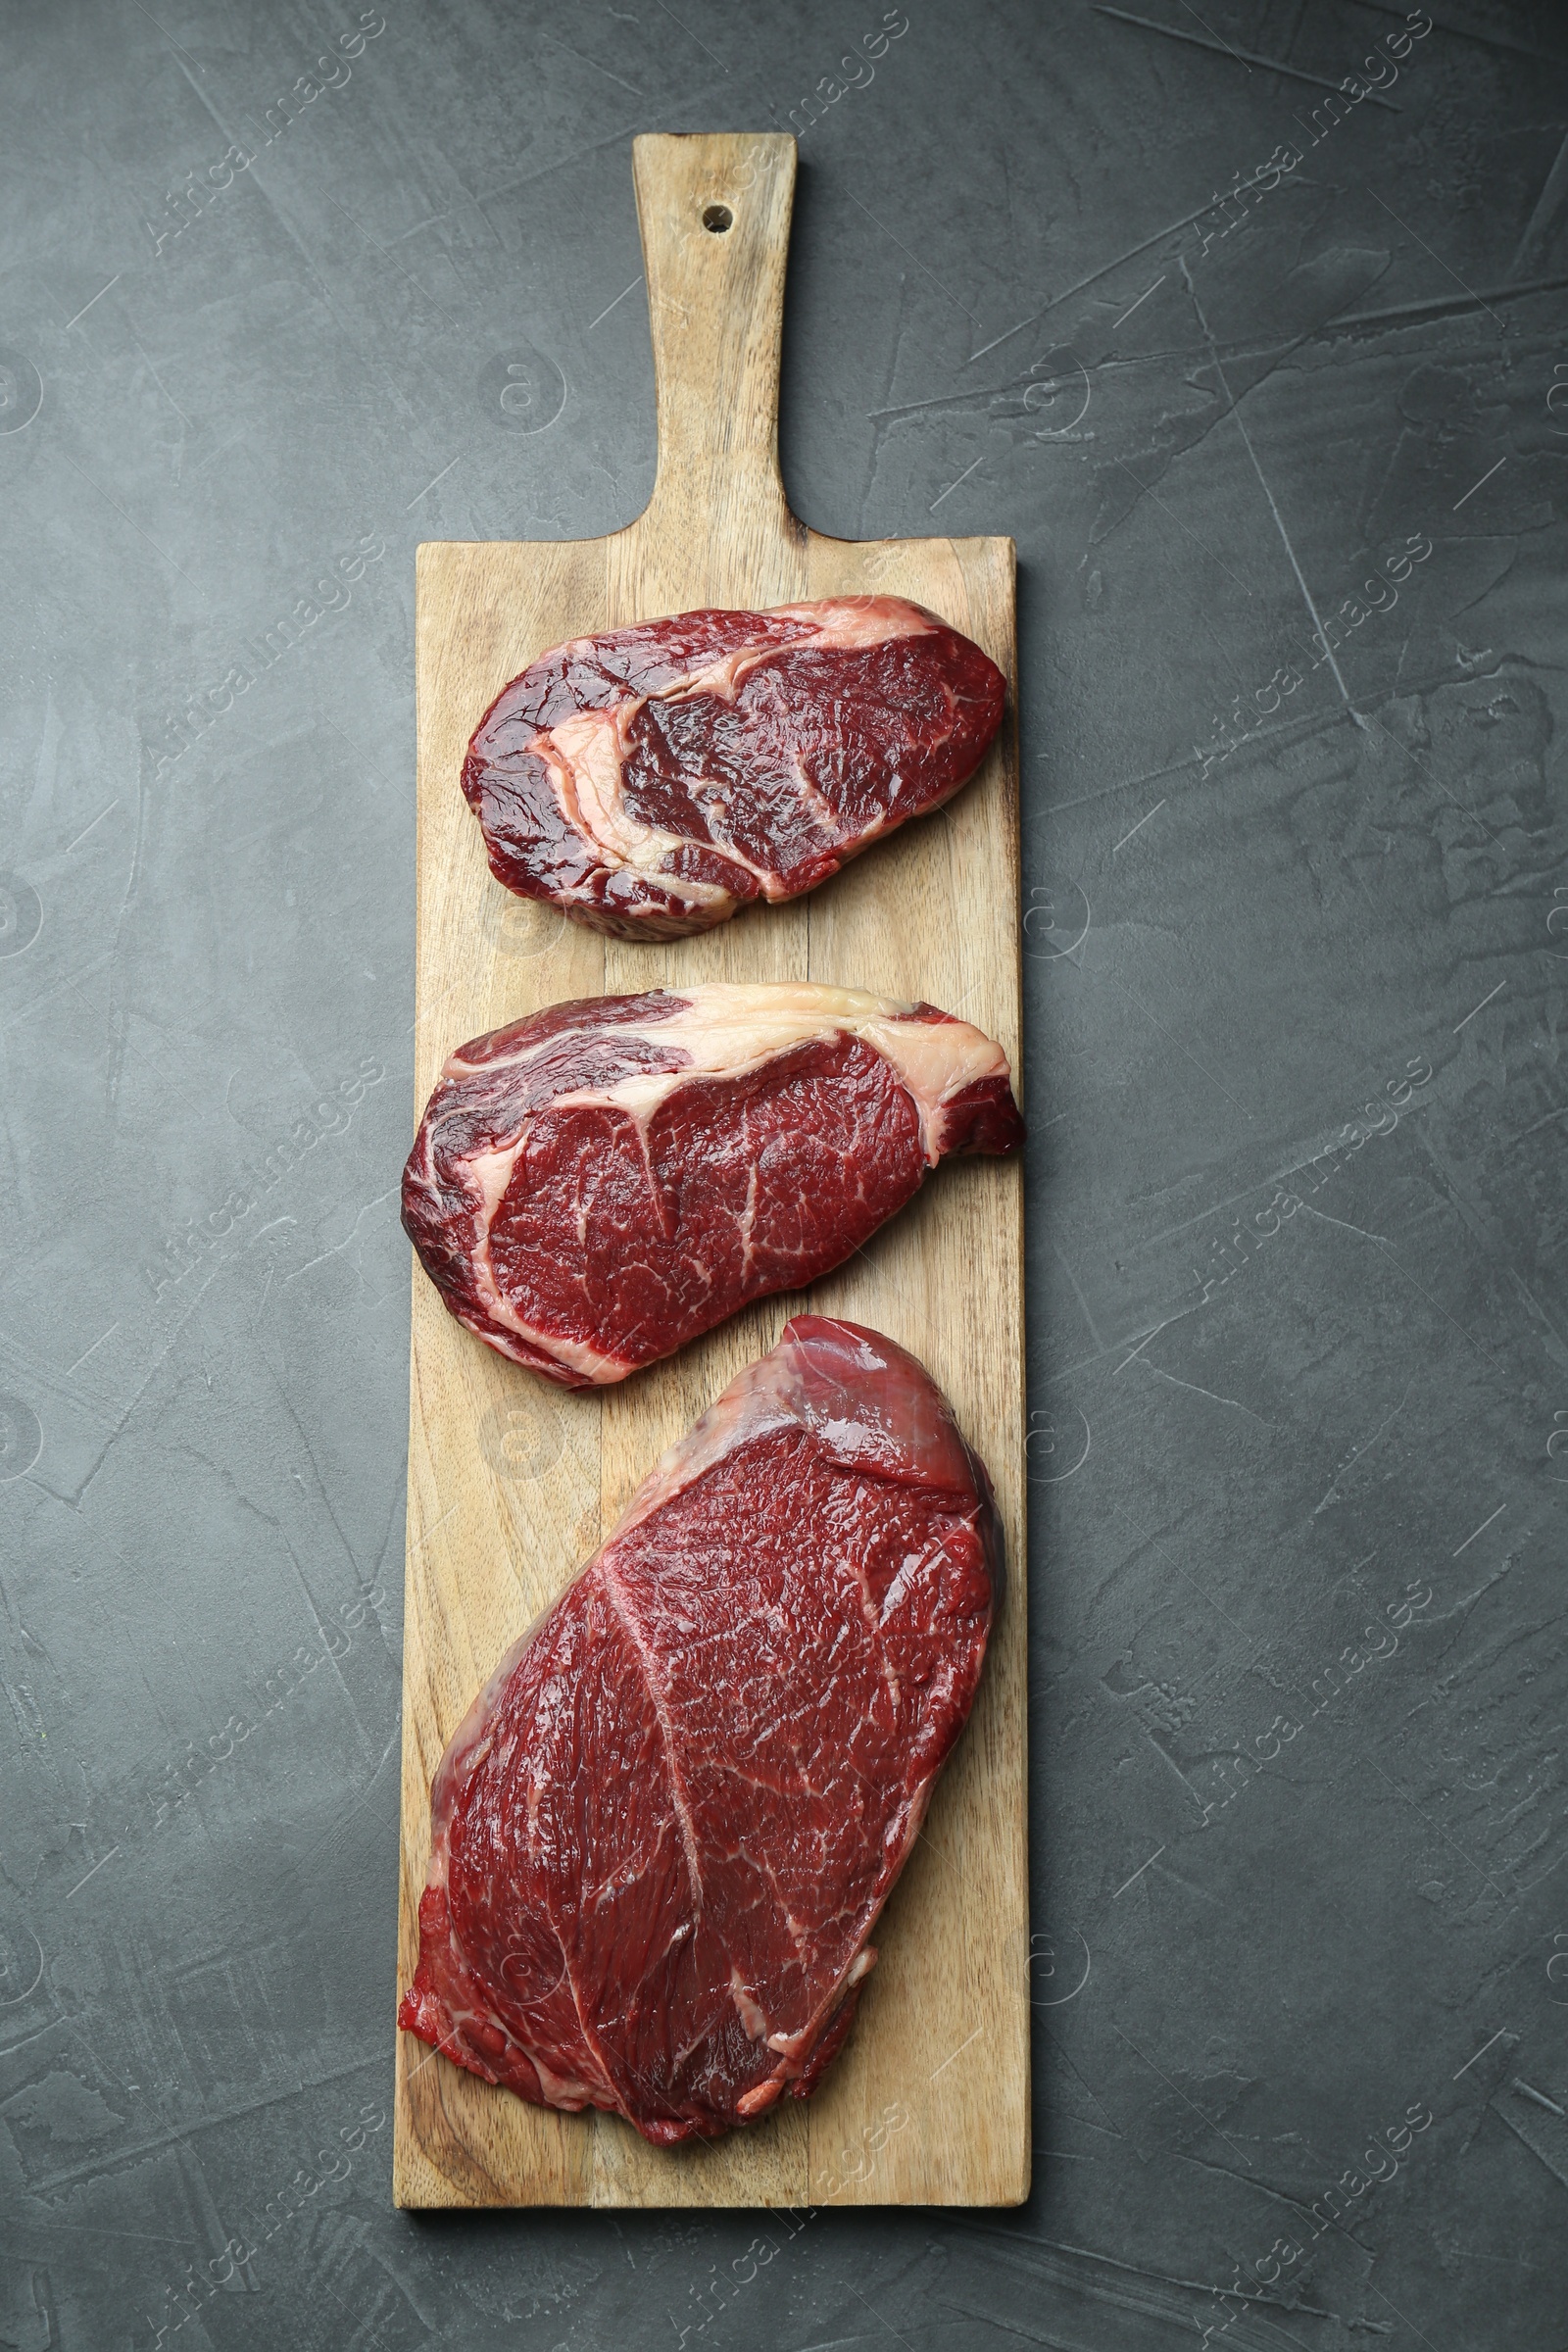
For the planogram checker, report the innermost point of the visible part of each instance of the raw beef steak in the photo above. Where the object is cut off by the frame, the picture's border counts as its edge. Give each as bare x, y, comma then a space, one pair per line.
666, 1826
651, 780
592, 1187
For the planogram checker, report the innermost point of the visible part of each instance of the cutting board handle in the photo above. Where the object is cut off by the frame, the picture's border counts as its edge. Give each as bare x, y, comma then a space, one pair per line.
715, 216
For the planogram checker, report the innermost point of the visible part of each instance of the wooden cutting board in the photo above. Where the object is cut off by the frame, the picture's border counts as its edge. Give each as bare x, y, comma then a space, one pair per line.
512, 1483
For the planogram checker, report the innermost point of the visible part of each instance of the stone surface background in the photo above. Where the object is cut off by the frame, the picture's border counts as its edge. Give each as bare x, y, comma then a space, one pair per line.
1287, 476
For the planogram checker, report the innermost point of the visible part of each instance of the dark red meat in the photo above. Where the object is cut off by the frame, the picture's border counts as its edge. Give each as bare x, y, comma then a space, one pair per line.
591, 1187
664, 1833
651, 780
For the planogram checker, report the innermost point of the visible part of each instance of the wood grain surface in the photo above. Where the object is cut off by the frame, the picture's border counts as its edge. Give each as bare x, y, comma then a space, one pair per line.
512, 1483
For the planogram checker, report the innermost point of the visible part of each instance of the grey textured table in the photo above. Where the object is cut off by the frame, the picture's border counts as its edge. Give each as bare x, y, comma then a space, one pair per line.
1286, 472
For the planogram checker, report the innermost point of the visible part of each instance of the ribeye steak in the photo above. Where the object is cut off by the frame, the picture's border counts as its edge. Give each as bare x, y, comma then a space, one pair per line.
664, 1833
651, 780
592, 1187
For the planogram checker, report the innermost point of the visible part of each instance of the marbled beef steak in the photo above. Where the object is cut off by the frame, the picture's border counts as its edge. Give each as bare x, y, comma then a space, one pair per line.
651, 780
665, 1831
592, 1187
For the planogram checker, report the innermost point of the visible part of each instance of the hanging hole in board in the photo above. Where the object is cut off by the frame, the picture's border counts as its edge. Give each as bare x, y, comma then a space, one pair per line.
718, 218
